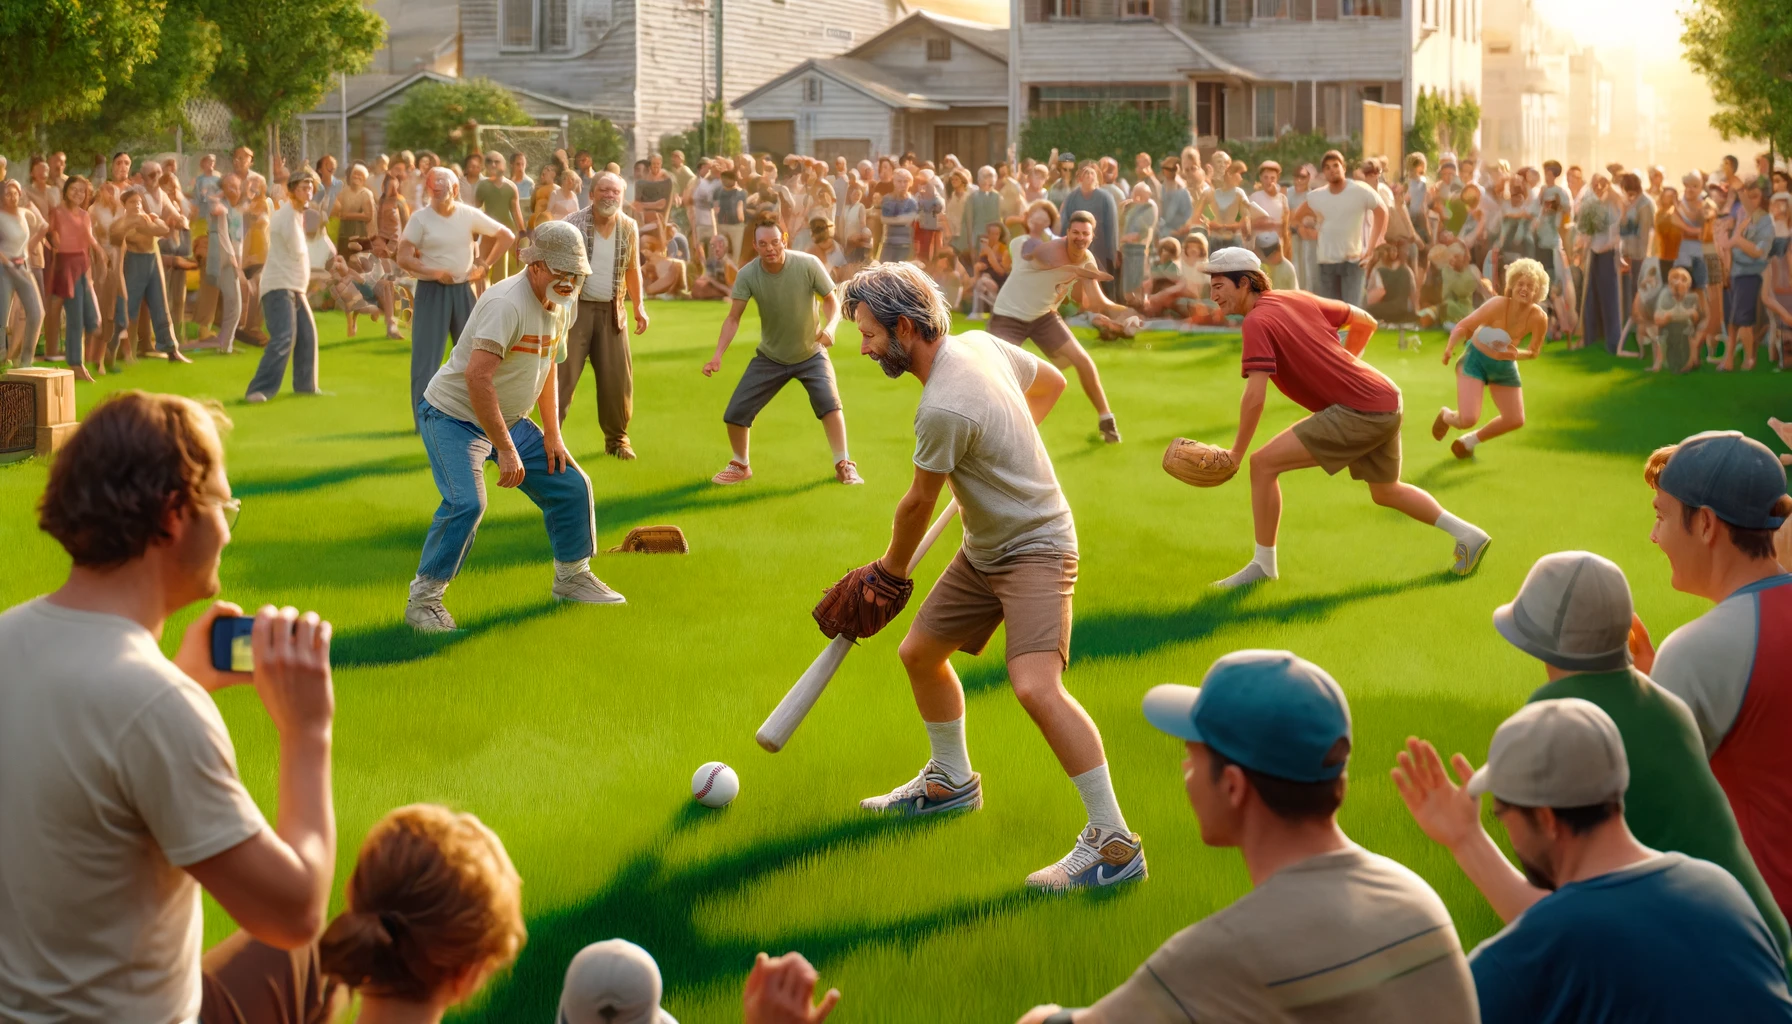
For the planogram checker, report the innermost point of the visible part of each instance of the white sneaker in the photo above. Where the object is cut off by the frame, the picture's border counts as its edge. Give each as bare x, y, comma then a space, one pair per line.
587, 588
426, 615
928, 793
1251, 573
1098, 859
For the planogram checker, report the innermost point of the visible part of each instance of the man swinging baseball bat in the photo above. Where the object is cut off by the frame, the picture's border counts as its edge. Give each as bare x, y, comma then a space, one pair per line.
977, 426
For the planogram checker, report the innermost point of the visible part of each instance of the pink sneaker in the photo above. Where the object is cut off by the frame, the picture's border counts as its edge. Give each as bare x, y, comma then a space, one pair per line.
735, 472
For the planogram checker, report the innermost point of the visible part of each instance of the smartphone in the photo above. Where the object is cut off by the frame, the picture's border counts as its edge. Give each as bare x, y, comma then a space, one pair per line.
232, 650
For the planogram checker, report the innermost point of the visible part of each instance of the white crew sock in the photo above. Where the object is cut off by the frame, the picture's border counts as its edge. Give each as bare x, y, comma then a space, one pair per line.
1470, 439
1262, 566
1097, 791
1266, 558
841, 456
947, 740
425, 589
567, 570
1457, 528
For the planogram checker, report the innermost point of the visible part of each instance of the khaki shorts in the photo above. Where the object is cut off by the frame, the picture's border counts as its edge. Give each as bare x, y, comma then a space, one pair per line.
1031, 594
1368, 442
1049, 332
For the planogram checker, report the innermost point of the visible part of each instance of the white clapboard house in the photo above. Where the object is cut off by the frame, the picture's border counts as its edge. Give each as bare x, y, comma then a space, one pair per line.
929, 84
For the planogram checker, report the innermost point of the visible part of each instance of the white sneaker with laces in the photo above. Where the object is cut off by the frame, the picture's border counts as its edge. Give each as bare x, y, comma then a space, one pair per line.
584, 587
1098, 859
426, 615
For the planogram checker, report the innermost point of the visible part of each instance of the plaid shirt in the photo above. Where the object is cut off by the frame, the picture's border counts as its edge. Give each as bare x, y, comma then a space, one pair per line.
626, 243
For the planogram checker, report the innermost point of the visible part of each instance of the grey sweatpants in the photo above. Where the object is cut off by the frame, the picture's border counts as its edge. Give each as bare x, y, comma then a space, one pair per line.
437, 316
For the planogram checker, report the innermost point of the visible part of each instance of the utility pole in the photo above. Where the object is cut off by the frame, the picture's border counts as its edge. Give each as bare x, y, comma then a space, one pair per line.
702, 84
721, 106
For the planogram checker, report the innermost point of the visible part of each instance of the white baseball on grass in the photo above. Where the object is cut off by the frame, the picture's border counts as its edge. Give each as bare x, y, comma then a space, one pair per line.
715, 785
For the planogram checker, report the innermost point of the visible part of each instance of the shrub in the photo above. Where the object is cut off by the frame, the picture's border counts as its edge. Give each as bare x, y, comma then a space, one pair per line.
1108, 129
1294, 149
437, 115
597, 136
718, 135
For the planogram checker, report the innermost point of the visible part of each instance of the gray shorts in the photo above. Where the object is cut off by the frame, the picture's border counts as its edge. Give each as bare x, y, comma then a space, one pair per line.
765, 378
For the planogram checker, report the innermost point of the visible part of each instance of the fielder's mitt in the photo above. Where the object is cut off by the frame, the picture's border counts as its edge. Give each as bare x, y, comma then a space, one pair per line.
862, 602
654, 540
1202, 465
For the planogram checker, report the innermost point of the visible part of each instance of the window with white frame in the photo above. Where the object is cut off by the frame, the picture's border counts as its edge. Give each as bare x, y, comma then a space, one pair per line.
1271, 8
535, 25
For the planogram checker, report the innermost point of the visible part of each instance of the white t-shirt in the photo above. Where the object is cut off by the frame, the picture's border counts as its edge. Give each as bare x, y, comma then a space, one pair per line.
16, 229
510, 322
446, 243
288, 264
973, 425
116, 772
600, 286
1032, 291
1344, 213
1345, 938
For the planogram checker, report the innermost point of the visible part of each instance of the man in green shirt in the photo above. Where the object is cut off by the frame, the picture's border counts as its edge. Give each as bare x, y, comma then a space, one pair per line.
497, 197
793, 344
1573, 613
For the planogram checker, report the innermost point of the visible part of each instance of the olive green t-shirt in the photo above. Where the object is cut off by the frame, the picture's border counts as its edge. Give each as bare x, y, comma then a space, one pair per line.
1674, 803
493, 197
787, 316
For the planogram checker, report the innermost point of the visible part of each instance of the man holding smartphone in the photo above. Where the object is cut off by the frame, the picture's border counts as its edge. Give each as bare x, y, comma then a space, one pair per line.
119, 760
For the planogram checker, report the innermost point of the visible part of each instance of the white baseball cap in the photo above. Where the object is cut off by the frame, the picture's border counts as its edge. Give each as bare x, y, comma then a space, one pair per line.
561, 246
1555, 753
1232, 260
612, 982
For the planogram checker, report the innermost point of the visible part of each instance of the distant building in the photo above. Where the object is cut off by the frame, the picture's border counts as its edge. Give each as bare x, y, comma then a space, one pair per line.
928, 84
1526, 109
1242, 69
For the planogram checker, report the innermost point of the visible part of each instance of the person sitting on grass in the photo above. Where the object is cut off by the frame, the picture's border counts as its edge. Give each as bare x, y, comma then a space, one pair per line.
1574, 615
1678, 312
360, 290
1460, 285
665, 276
1392, 287
719, 269
1642, 314
1720, 497
991, 268
948, 275
1617, 931
118, 757
1329, 931
826, 248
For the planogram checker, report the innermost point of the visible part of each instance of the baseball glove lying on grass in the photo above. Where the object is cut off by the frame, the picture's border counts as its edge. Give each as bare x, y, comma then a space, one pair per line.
654, 540
862, 602
1194, 462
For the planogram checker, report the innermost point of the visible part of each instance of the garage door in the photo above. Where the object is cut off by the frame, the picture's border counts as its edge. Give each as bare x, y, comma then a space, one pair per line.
853, 150
775, 137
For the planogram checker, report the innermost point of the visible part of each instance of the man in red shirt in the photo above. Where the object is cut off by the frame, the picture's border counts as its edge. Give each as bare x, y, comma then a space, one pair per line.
1292, 339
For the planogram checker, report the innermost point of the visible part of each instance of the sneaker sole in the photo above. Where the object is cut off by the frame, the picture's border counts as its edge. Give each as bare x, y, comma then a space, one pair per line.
907, 809
563, 597
1474, 560
1126, 875
1439, 428
1460, 450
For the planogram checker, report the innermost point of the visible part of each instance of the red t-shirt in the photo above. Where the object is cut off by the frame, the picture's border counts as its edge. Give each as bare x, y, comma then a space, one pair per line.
1293, 337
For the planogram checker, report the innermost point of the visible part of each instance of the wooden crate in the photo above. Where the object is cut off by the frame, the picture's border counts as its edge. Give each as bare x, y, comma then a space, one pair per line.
55, 392
51, 438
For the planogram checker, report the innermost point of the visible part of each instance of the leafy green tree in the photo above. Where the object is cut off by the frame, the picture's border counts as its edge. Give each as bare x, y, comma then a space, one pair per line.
279, 57
62, 57
1744, 50
1438, 123
152, 100
1108, 129
1293, 149
597, 136
716, 135
437, 115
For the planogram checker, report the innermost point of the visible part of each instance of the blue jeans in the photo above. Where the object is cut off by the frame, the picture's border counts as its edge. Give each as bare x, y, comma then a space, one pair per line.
291, 332
144, 284
1341, 281
438, 313
80, 314
457, 452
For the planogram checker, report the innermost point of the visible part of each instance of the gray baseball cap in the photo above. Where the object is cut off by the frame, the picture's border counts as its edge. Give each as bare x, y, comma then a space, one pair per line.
1555, 753
561, 246
1573, 611
612, 982
1738, 478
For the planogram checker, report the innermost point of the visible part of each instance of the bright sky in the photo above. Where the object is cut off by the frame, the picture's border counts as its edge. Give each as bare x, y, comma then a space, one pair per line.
1651, 26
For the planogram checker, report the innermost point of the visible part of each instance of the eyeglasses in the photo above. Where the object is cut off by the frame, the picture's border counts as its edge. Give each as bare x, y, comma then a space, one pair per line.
232, 509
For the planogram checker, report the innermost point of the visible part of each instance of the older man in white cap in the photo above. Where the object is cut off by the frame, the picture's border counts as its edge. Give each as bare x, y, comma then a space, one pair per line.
1626, 933
1574, 615
612, 982
476, 409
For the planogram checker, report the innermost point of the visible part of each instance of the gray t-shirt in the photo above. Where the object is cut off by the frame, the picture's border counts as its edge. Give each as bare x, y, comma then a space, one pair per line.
787, 317
1346, 938
973, 425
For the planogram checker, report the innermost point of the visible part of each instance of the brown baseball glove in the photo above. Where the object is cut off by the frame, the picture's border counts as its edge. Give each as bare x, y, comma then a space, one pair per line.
1202, 465
654, 540
862, 602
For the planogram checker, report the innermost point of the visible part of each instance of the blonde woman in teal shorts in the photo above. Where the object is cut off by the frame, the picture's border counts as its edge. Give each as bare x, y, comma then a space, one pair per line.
1490, 358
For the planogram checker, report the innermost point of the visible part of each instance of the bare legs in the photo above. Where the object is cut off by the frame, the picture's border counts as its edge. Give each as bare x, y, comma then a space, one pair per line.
1073, 355
1509, 402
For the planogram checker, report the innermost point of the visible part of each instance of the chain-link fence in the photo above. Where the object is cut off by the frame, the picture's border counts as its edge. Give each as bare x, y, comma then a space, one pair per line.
537, 142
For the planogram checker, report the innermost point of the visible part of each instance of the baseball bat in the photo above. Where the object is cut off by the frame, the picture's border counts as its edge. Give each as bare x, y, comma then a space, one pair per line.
790, 712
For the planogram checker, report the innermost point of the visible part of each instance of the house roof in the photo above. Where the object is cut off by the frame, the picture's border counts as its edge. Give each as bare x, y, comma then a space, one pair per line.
1210, 62
368, 91
990, 39
886, 86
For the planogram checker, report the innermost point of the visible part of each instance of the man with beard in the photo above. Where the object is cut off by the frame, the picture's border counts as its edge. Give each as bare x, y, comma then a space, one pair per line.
1626, 933
1292, 339
793, 344
977, 427
476, 410
612, 244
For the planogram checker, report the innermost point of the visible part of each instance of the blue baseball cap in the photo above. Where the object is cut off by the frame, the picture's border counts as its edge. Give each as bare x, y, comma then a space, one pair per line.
1270, 711
1738, 478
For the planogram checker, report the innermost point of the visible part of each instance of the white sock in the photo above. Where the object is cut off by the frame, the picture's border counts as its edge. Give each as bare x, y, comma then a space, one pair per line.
1459, 529
1470, 439
425, 589
947, 741
841, 456
567, 570
1097, 791
1106, 417
1266, 558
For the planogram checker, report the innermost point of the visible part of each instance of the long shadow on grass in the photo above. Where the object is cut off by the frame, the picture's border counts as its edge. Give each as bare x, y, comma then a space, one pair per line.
656, 906
297, 483
1633, 412
1128, 634
396, 642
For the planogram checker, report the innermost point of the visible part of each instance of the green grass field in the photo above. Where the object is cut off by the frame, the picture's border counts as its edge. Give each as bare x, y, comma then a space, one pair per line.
573, 731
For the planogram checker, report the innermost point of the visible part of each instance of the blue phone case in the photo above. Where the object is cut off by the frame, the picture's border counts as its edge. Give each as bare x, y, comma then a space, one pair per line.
225, 631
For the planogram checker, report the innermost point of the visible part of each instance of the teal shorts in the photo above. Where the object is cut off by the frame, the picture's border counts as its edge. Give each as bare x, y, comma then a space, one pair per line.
1500, 373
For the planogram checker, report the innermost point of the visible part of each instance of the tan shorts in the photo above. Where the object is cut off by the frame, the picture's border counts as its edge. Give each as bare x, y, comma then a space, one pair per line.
1031, 594
1368, 442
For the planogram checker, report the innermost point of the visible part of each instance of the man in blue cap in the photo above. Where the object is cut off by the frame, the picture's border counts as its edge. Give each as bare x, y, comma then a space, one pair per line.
1719, 498
1329, 930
